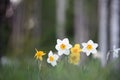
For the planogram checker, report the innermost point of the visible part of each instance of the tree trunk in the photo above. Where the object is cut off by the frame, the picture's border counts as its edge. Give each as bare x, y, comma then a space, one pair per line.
32, 25
119, 24
114, 24
17, 23
80, 29
114, 28
37, 19
103, 30
61, 17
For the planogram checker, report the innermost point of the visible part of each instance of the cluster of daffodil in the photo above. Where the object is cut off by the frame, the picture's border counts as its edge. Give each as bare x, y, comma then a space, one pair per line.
65, 48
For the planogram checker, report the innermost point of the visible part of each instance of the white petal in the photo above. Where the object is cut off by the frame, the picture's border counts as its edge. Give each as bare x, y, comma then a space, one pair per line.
66, 41
94, 51
69, 46
95, 45
115, 55
50, 53
116, 51
57, 47
67, 52
58, 41
60, 53
87, 53
54, 63
84, 44
84, 50
90, 42
56, 56
48, 60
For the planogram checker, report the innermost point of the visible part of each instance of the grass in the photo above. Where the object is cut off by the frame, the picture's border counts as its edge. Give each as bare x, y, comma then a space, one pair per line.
27, 69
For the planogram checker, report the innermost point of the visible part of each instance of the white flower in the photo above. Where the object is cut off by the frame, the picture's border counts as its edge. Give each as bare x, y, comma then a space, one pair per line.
115, 52
52, 58
97, 55
63, 46
89, 47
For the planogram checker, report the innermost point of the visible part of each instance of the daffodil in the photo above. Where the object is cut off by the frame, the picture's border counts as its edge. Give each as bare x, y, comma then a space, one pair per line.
52, 58
63, 46
89, 47
39, 54
76, 49
74, 58
115, 52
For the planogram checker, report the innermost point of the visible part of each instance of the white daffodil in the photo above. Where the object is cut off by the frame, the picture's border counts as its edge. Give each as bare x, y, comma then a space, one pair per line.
63, 46
52, 58
89, 47
115, 52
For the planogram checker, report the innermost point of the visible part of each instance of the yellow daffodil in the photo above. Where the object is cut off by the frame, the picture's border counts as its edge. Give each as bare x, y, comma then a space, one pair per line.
74, 58
76, 49
89, 47
52, 58
63, 46
39, 54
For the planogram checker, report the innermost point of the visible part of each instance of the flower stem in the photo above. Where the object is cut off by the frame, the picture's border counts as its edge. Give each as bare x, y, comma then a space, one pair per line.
39, 67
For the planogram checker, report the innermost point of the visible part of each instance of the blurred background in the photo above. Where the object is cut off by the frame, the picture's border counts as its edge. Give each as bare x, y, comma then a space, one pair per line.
29, 24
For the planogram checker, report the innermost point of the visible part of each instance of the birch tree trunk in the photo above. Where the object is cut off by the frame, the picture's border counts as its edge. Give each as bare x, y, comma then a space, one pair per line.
119, 23
60, 17
103, 30
114, 24
114, 28
80, 29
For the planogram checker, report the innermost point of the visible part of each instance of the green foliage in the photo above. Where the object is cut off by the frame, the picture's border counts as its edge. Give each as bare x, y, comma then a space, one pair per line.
28, 70
48, 15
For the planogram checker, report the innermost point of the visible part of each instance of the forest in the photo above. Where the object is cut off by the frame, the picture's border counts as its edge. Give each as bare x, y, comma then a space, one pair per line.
81, 37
